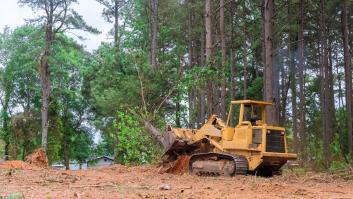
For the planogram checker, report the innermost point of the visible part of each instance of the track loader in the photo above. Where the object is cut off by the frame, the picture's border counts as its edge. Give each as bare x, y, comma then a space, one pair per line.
244, 144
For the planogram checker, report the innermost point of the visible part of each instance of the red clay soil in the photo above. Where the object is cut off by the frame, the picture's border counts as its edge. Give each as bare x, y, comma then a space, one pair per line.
179, 166
118, 181
16, 164
38, 158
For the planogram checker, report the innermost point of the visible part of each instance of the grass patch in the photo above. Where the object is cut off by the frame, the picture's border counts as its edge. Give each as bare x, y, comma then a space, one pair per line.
15, 196
295, 170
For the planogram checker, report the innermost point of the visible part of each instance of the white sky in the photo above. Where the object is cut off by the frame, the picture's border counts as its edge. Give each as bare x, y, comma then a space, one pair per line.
12, 15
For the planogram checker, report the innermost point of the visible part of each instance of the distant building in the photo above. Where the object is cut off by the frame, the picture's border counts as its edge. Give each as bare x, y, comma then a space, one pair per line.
72, 166
101, 161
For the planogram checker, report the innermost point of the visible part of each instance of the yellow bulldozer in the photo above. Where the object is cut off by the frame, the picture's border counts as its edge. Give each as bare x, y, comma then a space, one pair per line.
244, 144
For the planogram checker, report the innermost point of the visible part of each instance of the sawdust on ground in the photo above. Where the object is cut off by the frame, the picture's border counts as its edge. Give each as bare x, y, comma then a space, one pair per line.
145, 182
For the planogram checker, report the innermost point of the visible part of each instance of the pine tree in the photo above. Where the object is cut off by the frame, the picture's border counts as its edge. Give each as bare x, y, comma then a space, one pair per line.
57, 18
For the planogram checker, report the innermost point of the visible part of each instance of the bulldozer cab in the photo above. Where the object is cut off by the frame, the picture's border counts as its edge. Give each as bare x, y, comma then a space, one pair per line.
247, 112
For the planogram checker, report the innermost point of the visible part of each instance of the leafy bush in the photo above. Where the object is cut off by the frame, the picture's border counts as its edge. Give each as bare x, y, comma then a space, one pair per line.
134, 145
2, 152
337, 165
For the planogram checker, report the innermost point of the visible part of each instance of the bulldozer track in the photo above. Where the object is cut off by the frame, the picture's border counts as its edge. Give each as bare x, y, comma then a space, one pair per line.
230, 164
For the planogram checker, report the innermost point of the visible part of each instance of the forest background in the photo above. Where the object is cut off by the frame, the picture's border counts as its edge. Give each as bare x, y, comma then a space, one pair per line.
176, 62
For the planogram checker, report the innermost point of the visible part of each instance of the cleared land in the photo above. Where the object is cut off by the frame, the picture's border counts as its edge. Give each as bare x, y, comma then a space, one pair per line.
146, 182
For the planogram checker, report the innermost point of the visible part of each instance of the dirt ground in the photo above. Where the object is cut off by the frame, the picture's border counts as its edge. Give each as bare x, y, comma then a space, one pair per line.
145, 182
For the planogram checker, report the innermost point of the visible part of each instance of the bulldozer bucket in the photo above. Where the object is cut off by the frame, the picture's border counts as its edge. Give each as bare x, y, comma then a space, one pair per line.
177, 146
177, 141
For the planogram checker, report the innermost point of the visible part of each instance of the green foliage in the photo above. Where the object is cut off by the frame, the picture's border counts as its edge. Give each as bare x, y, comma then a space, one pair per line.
21, 80
81, 146
2, 147
134, 144
255, 89
342, 128
340, 159
335, 147
55, 137
15, 196
338, 165
202, 74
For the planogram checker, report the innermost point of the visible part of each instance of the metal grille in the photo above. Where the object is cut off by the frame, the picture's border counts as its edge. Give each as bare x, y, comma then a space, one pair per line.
275, 141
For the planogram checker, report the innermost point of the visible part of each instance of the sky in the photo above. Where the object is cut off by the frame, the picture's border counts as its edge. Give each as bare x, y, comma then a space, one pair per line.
13, 15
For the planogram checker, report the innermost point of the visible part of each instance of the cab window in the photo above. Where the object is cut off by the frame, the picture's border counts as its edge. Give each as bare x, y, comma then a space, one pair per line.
233, 119
252, 114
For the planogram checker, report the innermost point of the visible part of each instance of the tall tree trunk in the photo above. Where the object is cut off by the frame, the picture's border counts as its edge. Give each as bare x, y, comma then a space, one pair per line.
301, 71
208, 30
293, 81
331, 119
191, 92
6, 149
202, 89
348, 72
177, 114
245, 56
339, 80
116, 35
232, 65
5, 123
285, 89
283, 110
325, 86
154, 33
223, 44
263, 51
45, 84
66, 150
216, 85
191, 100
116, 24
270, 77
45, 81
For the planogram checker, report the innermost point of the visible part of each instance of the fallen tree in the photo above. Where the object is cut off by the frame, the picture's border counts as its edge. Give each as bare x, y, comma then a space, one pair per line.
162, 137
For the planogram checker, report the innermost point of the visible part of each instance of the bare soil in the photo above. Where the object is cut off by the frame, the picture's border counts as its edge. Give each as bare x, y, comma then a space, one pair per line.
17, 164
146, 182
